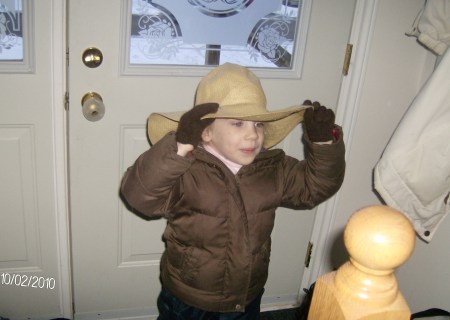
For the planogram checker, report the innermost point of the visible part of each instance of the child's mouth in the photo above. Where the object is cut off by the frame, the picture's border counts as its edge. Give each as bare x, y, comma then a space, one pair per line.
248, 150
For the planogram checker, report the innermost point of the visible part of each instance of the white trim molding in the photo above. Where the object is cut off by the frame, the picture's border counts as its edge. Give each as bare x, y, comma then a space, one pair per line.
346, 115
58, 38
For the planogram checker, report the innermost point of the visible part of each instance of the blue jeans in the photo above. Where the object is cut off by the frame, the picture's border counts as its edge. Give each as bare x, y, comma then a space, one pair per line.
171, 308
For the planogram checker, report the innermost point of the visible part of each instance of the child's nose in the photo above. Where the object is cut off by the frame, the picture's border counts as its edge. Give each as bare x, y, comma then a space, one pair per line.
252, 130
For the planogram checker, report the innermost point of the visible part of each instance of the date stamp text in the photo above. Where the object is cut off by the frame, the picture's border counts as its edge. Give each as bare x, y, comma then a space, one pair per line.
23, 280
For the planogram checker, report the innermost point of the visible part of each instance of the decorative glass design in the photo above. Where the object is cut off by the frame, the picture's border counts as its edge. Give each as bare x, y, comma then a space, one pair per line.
11, 30
211, 32
220, 8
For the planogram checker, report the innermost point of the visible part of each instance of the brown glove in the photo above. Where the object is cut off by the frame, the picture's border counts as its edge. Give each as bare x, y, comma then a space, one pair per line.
319, 122
191, 125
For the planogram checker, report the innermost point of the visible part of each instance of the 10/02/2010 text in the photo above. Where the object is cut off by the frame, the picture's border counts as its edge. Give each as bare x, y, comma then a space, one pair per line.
27, 281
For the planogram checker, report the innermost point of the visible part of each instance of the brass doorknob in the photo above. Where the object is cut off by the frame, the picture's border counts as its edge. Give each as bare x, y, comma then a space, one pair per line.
92, 106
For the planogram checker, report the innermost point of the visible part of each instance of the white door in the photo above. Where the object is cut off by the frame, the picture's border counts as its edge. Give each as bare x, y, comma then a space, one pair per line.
33, 263
115, 253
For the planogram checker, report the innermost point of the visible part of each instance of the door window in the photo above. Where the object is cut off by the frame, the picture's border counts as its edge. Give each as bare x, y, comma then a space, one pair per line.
15, 38
258, 34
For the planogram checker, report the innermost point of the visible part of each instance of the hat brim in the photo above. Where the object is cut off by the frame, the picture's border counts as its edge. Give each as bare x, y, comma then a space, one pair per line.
277, 124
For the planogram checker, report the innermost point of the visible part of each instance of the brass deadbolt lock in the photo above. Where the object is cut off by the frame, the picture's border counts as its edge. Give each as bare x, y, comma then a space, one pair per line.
92, 57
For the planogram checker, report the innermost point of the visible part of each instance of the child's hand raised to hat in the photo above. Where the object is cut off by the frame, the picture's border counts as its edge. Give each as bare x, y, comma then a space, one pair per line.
319, 122
191, 126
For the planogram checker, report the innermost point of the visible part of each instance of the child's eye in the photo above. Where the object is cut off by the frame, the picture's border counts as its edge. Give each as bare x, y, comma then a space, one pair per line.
238, 124
259, 125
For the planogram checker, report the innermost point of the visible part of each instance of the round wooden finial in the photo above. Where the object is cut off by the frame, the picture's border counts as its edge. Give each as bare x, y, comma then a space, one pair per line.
379, 239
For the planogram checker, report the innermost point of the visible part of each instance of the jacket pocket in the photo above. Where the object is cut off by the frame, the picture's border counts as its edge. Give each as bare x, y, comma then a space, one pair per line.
202, 271
189, 265
260, 226
260, 265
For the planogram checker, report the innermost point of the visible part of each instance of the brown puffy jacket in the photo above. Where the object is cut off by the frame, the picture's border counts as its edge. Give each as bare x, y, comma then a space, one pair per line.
219, 225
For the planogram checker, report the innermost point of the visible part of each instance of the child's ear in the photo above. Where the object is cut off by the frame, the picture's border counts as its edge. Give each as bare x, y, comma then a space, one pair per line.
206, 134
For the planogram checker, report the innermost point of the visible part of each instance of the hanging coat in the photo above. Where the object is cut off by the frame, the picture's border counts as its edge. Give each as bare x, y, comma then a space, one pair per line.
413, 174
432, 26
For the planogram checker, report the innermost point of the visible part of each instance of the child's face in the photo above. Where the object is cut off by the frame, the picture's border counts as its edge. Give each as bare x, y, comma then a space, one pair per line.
237, 140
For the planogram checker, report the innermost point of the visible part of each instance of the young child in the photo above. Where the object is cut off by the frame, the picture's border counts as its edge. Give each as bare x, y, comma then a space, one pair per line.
212, 174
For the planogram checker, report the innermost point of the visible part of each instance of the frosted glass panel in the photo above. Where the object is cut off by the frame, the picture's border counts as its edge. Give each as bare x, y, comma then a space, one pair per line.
16, 36
11, 30
211, 32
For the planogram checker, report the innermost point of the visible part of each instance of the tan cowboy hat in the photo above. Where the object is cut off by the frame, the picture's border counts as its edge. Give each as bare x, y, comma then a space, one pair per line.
239, 94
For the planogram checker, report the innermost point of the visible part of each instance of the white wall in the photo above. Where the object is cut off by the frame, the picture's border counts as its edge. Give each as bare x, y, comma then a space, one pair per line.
397, 68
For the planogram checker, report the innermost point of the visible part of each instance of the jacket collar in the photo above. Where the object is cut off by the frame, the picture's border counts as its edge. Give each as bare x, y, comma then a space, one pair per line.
264, 158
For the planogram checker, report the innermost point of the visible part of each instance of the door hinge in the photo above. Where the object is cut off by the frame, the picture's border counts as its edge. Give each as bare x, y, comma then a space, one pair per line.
308, 254
66, 101
347, 59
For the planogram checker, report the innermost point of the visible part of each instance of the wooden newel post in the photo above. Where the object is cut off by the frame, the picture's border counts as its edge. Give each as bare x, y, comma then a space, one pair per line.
378, 239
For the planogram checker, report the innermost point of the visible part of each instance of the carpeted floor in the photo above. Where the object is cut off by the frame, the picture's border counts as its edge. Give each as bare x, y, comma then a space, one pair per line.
287, 314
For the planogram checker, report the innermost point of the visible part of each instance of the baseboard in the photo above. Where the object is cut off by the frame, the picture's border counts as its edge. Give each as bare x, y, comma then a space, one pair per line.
272, 303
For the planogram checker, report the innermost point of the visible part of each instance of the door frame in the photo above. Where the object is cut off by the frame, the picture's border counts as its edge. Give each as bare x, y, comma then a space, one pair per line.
346, 115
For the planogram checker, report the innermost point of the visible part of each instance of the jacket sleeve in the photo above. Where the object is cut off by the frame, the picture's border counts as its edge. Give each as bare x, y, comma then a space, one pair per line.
150, 184
413, 174
315, 179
